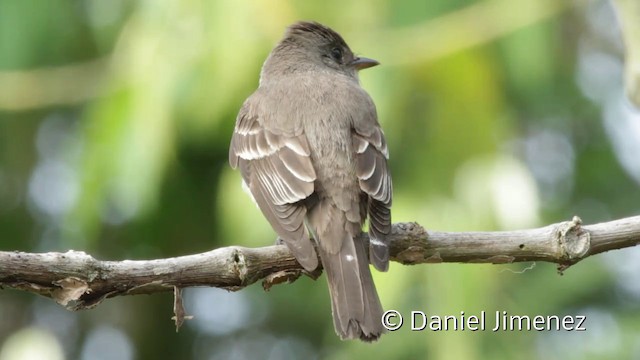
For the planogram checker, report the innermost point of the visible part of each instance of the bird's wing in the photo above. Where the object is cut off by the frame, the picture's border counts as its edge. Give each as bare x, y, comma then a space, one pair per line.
375, 180
277, 168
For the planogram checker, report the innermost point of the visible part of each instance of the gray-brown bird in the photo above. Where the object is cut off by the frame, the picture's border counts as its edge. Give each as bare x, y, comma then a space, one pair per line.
314, 158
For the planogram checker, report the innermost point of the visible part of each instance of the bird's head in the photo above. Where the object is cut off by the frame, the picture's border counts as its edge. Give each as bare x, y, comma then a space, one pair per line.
312, 46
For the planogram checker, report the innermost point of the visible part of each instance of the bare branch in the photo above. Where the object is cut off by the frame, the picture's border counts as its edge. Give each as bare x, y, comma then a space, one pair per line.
79, 281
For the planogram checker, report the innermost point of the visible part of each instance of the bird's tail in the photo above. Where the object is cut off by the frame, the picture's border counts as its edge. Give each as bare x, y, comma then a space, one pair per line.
355, 305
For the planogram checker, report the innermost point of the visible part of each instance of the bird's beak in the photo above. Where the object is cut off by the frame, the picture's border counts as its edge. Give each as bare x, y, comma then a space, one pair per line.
362, 63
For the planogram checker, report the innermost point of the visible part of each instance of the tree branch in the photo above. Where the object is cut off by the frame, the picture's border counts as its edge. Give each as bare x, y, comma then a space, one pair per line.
78, 281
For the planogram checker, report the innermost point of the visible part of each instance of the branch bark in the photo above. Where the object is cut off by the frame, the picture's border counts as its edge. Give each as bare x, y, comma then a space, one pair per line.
77, 280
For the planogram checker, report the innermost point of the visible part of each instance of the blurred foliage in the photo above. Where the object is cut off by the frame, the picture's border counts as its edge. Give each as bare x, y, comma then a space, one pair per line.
115, 118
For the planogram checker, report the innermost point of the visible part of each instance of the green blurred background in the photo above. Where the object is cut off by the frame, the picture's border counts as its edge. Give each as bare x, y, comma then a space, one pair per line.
115, 120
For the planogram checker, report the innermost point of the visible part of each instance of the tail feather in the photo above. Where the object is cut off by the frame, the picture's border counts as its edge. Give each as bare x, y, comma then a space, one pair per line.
355, 305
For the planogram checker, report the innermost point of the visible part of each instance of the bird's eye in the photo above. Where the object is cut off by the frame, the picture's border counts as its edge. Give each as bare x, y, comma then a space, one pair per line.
336, 53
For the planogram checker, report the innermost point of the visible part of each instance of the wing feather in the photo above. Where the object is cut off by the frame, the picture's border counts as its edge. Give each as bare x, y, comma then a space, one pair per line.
277, 168
375, 180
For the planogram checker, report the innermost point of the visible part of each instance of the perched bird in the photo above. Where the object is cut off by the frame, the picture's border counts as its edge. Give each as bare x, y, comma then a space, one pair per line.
314, 158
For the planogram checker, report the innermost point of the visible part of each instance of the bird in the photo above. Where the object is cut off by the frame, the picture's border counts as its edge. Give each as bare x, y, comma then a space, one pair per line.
313, 157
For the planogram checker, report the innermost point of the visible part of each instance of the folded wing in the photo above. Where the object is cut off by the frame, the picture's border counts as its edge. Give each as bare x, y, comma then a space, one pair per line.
277, 168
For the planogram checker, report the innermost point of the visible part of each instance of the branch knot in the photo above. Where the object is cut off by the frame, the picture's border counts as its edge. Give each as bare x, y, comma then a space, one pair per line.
573, 239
